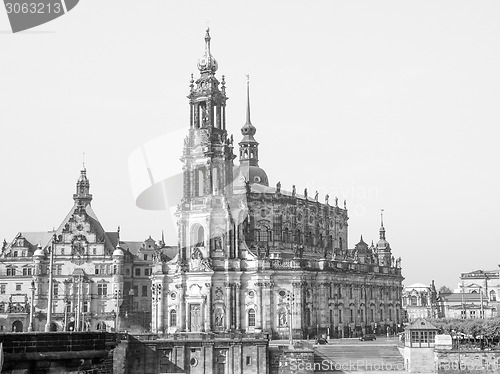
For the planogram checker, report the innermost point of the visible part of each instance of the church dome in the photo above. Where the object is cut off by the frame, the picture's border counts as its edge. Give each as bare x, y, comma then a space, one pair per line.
383, 244
248, 129
39, 251
257, 175
118, 252
207, 62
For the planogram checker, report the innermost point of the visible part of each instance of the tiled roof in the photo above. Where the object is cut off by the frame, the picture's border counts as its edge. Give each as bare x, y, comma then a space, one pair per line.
421, 324
457, 297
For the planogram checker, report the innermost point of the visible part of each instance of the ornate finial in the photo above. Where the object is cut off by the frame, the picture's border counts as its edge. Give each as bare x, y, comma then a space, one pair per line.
326, 199
278, 187
345, 204
293, 191
207, 63
305, 193
191, 82
381, 218
316, 196
248, 100
361, 237
336, 201
83, 160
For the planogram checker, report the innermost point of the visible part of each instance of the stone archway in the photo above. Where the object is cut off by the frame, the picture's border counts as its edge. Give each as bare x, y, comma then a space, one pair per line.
17, 326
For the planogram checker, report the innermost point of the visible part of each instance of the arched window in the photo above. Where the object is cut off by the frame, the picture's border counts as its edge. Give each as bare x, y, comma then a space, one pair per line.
197, 236
493, 295
251, 318
298, 238
413, 301
340, 243
173, 317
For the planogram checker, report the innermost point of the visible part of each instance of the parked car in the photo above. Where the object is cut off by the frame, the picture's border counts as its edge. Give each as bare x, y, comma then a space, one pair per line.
368, 337
321, 341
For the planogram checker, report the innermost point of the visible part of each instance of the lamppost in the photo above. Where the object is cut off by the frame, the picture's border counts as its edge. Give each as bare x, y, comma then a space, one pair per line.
32, 305
117, 312
51, 290
290, 299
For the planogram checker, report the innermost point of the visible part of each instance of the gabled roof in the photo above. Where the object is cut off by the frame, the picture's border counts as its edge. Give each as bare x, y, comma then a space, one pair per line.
421, 324
110, 238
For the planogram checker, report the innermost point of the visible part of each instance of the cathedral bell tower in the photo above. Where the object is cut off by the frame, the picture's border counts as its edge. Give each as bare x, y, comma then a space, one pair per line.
203, 216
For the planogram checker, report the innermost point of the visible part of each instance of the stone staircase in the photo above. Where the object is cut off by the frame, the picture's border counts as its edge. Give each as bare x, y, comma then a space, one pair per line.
357, 358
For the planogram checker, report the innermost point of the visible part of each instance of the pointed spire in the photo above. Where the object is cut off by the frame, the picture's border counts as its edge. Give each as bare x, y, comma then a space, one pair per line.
248, 100
382, 229
207, 41
84, 161
248, 130
162, 237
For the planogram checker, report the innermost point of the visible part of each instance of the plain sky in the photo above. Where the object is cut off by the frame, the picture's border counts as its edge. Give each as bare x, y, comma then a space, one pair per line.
390, 105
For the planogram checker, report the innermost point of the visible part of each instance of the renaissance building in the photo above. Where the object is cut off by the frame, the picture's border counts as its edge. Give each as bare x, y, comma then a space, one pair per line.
98, 281
256, 258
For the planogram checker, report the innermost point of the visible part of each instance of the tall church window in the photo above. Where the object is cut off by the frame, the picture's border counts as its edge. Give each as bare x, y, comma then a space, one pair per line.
201, 183
263, 235
340, 315
251, 318
340, 243
413, 301
173, 317
215, 179
390, 314
493, 295
197, 236
286, 238
308, 317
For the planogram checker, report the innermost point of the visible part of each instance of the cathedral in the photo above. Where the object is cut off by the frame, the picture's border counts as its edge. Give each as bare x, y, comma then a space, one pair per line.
256, 258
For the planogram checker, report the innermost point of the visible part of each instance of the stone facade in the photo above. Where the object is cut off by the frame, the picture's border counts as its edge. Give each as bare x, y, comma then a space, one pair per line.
95, 274
419, 301
255, 258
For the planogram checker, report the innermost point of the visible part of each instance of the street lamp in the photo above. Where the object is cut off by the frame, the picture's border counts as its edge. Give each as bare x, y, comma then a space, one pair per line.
290, 299
32, 305
117, 312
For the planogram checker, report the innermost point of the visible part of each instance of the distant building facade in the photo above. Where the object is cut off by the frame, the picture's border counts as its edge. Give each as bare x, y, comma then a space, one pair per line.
420, 301
254, 258
475, 297
98, 280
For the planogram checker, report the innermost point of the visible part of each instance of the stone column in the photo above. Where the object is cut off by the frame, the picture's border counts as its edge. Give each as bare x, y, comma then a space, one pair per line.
228, 305
237, 290
260, 307
297, 307
182, 309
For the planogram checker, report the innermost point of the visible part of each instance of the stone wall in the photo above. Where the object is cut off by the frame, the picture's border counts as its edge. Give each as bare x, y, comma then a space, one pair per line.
465, 362
419, 360
63, 352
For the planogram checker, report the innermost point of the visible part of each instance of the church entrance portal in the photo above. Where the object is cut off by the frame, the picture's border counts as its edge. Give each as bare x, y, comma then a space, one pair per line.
17, 326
